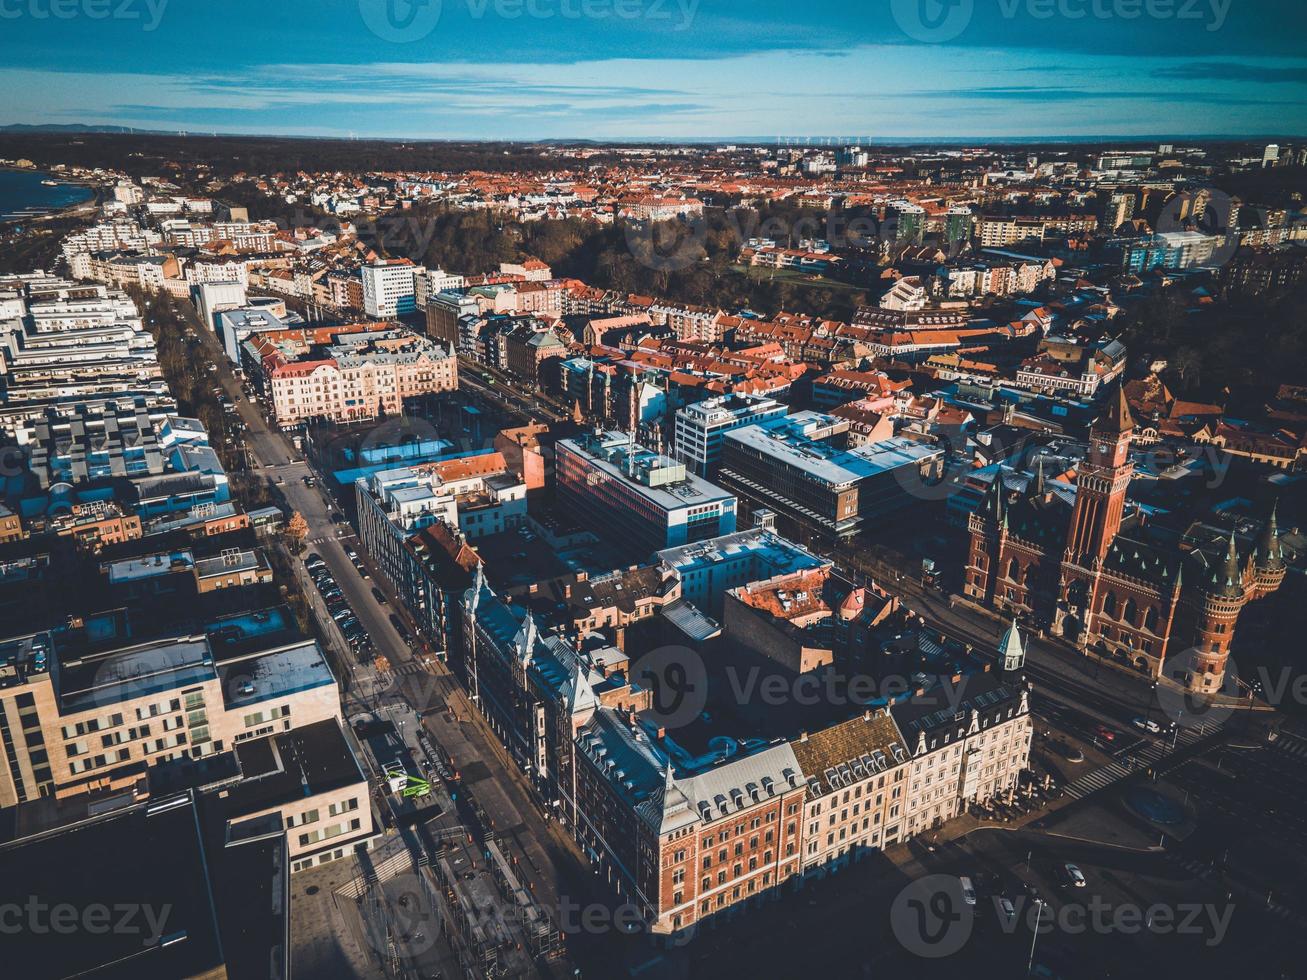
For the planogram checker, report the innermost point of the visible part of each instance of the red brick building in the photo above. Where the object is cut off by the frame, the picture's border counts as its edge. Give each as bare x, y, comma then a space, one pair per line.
1096, 579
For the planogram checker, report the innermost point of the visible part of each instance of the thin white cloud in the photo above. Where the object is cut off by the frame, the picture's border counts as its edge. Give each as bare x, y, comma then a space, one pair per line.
877, 90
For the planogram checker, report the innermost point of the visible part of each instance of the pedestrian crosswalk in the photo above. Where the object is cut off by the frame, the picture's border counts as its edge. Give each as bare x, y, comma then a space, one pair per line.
1207, 871
1099, 779
1291, 744
323, 538
408, 668
1152, 754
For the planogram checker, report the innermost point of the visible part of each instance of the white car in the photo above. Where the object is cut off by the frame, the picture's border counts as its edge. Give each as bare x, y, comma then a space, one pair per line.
968, 890
1148, 725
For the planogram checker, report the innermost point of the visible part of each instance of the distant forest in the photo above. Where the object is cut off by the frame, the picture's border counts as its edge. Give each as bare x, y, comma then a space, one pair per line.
160, 155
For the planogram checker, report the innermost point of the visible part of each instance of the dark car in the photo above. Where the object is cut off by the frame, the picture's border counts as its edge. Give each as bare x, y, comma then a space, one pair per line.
1066, 750
379, 595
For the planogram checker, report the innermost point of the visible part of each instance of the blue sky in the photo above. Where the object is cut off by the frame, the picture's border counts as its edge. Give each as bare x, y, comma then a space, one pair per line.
531, 69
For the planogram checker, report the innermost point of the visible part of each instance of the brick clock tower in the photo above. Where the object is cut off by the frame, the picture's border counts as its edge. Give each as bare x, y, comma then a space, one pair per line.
1120, 594
1100, 505
1100, 489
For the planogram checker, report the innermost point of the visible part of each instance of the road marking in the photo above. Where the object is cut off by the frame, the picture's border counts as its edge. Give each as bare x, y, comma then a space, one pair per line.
1153, 753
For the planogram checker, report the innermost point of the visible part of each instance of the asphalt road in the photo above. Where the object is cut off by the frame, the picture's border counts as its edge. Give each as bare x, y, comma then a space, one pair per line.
550, 861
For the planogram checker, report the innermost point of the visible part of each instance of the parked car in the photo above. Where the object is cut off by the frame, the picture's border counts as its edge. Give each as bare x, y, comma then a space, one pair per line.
379, 595
1067, 751
343, 614
1006, 910
1072, 876
400, 628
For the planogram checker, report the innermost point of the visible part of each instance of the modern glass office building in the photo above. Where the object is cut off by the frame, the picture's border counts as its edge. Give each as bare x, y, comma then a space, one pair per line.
639, 500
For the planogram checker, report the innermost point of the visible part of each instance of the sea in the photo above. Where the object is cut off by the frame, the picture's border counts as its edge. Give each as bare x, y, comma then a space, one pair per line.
22, 193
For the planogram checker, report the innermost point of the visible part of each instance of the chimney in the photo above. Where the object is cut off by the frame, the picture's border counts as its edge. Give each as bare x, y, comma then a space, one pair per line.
803, 736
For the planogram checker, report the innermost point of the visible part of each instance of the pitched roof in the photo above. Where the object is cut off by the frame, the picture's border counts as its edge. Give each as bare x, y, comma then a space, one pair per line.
1117, 418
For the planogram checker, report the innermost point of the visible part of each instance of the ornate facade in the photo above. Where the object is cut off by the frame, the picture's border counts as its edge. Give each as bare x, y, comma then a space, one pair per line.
1091, 575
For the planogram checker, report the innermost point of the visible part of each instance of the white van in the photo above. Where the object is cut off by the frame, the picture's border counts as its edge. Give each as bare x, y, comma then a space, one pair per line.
968, 890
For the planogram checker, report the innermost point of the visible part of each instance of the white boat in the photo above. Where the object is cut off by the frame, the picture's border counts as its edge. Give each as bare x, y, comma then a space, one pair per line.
50, 183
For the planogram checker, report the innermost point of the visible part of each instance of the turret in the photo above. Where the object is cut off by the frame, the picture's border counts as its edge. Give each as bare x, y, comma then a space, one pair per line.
1268, 558
1218, 610
1011, 649
1227, 577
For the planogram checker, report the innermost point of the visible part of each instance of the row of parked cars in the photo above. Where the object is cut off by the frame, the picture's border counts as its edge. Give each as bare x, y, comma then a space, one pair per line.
338, 606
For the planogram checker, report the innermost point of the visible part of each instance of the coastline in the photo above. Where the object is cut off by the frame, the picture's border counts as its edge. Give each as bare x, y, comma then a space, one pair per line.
43, 213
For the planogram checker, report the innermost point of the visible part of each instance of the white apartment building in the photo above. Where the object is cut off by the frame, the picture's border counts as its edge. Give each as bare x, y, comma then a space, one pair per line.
701, 426
389, 288
351, 381
906, 294
68, 340
695, 323
477, 494
212, 298
108, 236
968, 738
430, 282
229, 270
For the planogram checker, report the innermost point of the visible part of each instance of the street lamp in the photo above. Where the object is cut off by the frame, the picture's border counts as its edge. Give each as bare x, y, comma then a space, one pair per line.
1034, 935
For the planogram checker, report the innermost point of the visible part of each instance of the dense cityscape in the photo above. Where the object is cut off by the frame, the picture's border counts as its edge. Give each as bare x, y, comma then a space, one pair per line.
656, 557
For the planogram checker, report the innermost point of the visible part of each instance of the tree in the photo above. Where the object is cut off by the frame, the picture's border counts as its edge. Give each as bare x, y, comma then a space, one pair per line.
1188, 363
297, 530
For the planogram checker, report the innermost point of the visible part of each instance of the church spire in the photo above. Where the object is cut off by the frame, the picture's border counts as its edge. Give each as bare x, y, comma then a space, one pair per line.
1037, 484
994, 505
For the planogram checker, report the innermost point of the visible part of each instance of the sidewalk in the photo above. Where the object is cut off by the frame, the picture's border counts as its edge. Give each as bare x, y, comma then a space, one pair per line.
501, 792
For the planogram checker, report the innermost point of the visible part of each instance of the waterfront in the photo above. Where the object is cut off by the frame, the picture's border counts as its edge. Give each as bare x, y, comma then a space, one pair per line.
22, 193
